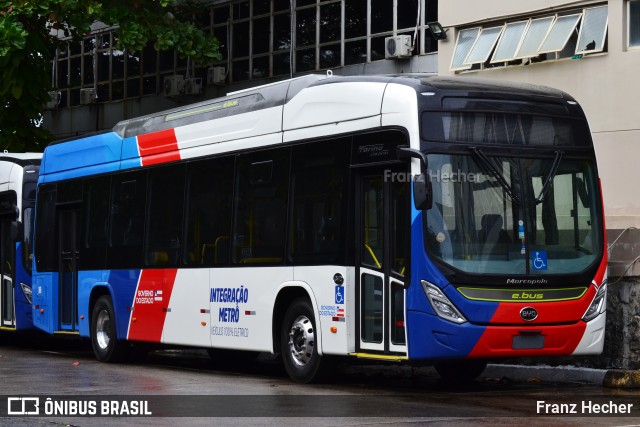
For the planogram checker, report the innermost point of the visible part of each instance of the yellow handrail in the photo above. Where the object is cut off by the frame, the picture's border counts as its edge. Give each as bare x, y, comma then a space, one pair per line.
375, 259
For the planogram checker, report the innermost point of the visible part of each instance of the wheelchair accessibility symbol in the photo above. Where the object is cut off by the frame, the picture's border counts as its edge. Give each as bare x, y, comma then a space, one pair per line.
339, 294
539, 260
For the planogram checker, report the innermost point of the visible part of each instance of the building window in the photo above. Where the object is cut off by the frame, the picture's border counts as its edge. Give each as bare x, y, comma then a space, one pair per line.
562, 35
534, 37
483, 45
509, 41
258, 39
464, 43
634, 23
559, 33
593, 31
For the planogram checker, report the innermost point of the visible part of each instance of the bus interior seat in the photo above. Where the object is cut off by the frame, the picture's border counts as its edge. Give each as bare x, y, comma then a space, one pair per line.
491, 231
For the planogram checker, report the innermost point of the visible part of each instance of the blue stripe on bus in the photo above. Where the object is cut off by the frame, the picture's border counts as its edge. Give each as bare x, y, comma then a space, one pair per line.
85, 156
123, 287
130, 153
429, 336
120, 285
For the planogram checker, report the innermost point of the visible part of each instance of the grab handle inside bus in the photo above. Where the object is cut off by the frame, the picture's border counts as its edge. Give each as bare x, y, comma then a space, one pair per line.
422, 191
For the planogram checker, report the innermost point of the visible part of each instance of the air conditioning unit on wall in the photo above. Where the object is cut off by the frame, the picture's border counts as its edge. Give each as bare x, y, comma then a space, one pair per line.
173, 85
215, 76
397, 47
193, 86
87, 96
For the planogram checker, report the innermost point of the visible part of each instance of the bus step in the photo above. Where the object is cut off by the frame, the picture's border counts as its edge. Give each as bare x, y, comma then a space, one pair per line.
388, 357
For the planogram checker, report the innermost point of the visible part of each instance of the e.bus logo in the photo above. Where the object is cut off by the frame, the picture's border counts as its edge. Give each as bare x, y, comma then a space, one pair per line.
529, 314
23, 406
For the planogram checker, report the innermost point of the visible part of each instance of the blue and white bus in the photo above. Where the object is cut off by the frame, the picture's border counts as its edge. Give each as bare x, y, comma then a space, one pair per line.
18, 180
413, 219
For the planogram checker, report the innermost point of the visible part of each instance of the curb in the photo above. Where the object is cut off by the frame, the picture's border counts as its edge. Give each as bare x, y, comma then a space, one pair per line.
620, 378
568, 373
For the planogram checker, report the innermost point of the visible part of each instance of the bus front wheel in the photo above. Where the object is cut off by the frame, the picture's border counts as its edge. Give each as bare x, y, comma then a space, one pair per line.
298, 344
106, 346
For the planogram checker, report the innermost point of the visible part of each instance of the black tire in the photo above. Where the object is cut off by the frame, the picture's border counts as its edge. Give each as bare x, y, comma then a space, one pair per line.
298, 344
460, 371
106, 346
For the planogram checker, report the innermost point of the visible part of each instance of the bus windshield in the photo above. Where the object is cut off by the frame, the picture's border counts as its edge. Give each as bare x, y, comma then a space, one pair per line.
495, 214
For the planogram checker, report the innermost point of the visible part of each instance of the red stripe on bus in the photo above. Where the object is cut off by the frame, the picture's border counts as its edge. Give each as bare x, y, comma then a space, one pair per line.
158, 147
150, 313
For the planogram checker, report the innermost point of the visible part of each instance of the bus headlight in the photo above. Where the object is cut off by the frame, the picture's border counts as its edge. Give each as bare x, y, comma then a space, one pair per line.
26, 290
441, 304
597, 305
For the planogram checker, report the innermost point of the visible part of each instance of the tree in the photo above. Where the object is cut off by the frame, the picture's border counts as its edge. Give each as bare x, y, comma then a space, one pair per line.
31, 30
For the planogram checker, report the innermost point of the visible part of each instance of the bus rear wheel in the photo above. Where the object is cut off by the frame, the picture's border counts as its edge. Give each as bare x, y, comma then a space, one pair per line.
106, 346
298, 344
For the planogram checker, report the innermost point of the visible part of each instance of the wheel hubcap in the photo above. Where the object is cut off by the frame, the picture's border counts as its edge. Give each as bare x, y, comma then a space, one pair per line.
103, 329
302, 341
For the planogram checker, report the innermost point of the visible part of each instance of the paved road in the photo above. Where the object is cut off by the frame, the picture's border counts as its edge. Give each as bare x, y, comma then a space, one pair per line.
172, 383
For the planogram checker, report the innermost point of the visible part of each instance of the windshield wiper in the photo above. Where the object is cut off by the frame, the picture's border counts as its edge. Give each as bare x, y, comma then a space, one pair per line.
490, 169
550, 176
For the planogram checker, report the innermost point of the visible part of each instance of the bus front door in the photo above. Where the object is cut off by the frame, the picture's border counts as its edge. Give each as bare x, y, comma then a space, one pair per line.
7, 262
68, 239
382, 259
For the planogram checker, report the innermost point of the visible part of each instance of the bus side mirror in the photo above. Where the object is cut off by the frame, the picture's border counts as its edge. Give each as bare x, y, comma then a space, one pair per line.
422, 192
16, 231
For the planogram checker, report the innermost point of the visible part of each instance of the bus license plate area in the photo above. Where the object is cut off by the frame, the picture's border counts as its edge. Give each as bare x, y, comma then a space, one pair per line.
527, 342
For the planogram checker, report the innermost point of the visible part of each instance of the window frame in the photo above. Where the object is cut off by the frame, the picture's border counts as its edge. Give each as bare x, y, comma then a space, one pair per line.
489, 48
454, 66
566, 36
523, 40
604, 31
503, 35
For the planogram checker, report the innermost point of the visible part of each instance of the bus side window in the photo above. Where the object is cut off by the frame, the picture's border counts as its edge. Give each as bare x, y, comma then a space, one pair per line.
46, 259
164, 218
208, 221
128, 197
318, 192
95, 213
262, 182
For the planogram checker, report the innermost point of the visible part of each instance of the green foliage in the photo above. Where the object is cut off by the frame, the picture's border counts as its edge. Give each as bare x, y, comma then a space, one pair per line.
28, 38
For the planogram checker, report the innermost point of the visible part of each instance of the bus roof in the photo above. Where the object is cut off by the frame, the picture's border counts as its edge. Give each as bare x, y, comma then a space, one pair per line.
292, 105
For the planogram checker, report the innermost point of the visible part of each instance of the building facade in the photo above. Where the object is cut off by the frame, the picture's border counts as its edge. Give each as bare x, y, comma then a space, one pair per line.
261, 41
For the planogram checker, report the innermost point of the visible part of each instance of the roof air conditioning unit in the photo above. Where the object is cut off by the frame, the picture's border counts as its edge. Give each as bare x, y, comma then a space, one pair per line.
55, 100
173, 85
397, 46
215, 76
87, 96
193, 86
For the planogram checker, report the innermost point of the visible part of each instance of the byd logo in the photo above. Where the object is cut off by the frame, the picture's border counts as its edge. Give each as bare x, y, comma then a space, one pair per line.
529, 314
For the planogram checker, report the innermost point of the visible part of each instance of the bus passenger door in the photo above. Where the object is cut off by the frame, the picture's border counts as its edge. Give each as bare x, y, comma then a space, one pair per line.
68, 239
7, 263
382, 258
